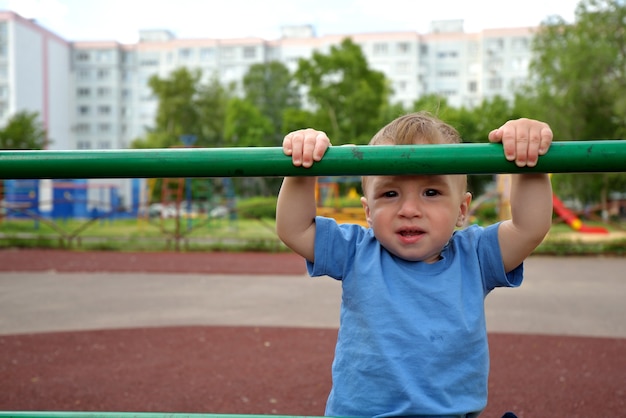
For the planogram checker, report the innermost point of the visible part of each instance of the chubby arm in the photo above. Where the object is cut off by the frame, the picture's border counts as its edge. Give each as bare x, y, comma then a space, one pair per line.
296, 207
524, 140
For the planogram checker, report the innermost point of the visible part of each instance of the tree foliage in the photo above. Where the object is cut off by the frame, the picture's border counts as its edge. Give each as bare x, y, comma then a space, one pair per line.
348, 96
23, 131
578, 85
246, 126
186, 107
272, 90
579, 71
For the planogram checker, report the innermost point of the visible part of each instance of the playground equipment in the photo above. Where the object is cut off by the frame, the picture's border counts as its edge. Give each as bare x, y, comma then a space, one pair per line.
589, 156
564, 157
328, 200
559, 208
572, 220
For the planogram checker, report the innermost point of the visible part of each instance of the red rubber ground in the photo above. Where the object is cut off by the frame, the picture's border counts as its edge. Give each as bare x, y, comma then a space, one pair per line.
248, 370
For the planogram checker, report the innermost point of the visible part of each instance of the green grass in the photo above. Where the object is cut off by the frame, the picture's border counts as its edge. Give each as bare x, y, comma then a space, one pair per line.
224, 235
143, 235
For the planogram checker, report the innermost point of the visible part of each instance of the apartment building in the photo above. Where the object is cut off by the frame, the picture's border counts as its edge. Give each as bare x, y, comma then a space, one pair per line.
95, 95
35, 76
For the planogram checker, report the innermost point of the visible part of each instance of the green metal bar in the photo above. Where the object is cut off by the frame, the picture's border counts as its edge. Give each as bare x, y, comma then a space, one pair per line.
563, 157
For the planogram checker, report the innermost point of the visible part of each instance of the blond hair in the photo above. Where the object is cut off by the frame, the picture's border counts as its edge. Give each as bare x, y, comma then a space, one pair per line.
419, 128
416, 128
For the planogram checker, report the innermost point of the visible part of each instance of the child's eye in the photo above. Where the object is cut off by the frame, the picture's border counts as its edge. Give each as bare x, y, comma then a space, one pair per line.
431, 192
390, 194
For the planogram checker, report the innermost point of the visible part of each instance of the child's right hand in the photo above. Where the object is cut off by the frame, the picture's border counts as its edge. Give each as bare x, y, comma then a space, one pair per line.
305, 146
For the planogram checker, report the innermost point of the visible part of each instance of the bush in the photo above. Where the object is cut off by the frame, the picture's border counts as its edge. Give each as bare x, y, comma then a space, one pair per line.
257, 208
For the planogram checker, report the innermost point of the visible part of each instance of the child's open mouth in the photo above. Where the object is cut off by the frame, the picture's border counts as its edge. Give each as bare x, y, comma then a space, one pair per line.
410, 236
411, 232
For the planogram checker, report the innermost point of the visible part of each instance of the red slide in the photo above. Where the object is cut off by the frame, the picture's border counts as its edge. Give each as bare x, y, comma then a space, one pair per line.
572, 220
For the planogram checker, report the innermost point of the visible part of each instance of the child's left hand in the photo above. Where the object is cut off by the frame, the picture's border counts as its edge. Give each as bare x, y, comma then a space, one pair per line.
523, 140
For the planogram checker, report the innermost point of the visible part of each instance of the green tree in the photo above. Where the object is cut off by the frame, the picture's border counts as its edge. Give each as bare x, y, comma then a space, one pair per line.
245, 126
23, 131
578, 71
186, 107
348, 97
578, 85
272, 89
212, 102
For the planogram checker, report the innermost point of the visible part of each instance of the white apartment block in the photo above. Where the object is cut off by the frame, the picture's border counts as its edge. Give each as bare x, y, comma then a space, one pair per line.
94, 95
35, 76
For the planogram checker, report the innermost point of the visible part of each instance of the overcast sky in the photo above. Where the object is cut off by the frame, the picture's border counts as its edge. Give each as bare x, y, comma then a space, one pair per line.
121, 20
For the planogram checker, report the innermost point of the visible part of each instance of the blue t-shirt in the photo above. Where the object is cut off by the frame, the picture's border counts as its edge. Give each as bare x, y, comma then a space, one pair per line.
412, 336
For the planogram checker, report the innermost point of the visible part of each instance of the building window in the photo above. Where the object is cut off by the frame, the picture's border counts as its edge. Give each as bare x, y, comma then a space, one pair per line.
207, 54
249, 52
185, 54
403, 67
103, 74
83, 74
104, 56
472, 87
495, 83
447, 54
83, 128
83, 110
401, 86
519, 63
104, 144
83, 144
381, 49
104, 110
104, 91
403, 48
227, 52
82, 56
520, 44
104, 127
83, 92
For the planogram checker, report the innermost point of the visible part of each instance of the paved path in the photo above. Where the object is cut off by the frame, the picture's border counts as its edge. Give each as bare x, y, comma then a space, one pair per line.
560, 296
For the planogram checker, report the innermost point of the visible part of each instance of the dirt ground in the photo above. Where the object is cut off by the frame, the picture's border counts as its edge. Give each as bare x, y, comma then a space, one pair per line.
262, 370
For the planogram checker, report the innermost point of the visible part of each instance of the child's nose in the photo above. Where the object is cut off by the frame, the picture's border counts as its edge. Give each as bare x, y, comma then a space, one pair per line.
410, 208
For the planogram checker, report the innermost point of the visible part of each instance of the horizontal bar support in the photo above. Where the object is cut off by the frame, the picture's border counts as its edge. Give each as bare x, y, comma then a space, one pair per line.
563, 157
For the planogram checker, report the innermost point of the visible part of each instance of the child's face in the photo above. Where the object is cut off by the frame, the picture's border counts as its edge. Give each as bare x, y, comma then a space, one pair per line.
413, 217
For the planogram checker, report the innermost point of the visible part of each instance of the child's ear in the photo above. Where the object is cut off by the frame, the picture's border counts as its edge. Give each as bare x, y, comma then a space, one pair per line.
366, 208
464, 209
